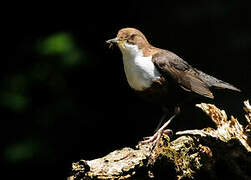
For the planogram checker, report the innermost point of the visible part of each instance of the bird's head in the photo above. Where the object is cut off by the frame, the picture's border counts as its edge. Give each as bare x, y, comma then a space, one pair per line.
130, 41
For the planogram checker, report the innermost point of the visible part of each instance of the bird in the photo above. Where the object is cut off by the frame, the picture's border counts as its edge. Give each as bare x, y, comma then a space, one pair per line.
160, 76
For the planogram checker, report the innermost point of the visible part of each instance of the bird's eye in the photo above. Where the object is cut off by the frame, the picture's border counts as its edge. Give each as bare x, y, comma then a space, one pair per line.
132, 36
130, 40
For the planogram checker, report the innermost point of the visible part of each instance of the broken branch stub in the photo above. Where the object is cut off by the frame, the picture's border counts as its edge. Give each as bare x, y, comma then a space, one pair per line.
226, 129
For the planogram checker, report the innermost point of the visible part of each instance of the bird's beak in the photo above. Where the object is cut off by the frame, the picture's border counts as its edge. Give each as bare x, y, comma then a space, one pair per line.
120, 43
112, 41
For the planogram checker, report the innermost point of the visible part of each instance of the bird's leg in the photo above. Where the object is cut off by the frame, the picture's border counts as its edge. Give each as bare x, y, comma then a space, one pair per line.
165, 113
162, 119
156, 137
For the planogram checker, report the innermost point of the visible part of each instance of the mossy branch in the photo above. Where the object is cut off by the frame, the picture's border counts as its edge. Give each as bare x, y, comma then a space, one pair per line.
198, 154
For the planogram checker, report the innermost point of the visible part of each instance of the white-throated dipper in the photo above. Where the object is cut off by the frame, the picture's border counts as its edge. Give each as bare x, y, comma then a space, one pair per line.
161, 76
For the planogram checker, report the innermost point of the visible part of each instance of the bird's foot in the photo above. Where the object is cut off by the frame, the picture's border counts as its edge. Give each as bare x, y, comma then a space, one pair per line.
154, 140
157, 136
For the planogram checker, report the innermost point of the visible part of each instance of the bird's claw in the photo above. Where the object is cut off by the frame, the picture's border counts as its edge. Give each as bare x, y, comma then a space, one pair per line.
156, 137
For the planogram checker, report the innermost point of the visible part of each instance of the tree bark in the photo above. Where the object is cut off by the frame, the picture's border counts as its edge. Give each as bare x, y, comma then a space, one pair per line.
197, 154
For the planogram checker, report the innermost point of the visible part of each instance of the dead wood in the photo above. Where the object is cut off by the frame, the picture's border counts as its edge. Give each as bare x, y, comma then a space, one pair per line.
209, 153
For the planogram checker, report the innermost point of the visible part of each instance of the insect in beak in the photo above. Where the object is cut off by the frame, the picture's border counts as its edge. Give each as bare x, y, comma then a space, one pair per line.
112, 41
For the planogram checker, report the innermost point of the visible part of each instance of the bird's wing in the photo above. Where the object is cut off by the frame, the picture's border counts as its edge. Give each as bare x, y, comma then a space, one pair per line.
170, 65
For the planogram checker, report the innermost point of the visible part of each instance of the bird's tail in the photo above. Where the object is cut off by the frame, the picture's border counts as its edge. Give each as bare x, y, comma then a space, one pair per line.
216, 83
225, 85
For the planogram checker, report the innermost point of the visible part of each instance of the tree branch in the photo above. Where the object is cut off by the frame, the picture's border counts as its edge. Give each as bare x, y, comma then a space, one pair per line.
201, 154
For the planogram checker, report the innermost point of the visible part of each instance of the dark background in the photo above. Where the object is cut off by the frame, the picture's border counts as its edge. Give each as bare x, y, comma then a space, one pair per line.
63, 92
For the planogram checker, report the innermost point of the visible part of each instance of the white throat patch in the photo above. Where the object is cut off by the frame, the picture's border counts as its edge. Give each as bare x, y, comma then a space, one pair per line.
140, 71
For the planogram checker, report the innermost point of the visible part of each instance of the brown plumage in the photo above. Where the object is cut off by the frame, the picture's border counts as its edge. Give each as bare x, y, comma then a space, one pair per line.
178, 78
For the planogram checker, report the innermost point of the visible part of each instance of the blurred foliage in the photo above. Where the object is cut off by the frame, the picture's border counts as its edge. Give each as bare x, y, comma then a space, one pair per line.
22, 151
14, 101
62, 45
36, 95
59, 43
53, 55
13, 95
